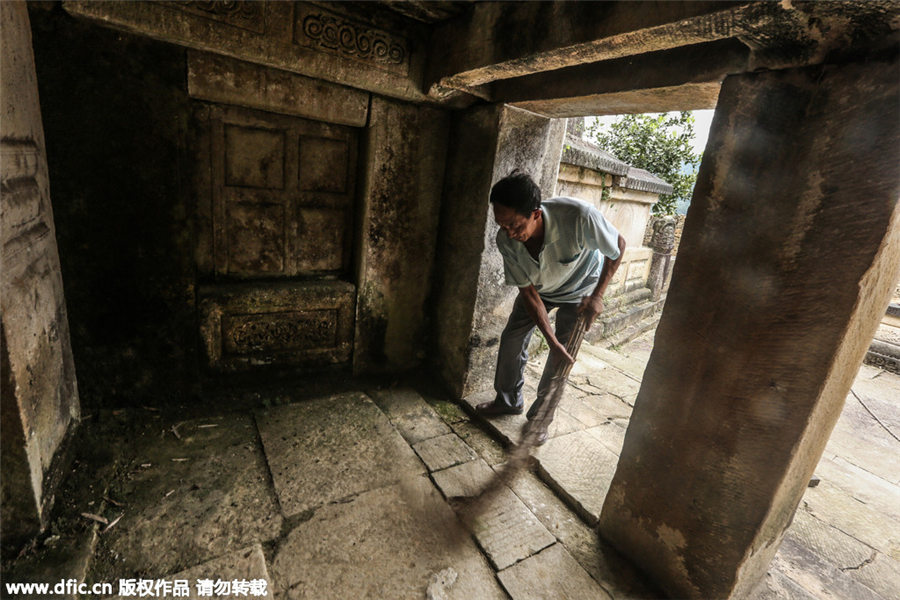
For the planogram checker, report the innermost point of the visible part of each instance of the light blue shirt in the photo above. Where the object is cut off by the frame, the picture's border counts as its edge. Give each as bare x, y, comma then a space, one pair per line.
577, 237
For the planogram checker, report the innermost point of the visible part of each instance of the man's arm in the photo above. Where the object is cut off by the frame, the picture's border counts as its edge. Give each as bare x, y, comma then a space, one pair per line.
592, 305
538, 313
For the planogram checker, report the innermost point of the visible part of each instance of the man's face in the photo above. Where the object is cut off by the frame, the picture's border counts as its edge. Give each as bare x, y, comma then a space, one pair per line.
516, 226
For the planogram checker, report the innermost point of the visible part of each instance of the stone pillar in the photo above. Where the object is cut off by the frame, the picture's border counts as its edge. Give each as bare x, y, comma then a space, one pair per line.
38, 392
789, 255
470, 301
662, 242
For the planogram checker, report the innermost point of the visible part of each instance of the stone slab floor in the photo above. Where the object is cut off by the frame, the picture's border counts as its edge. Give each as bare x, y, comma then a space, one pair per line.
360, 491
357, 493
845, 538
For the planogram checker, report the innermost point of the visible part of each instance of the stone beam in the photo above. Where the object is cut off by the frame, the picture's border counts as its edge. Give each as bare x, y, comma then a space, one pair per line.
680, 79
787, 263
501, 40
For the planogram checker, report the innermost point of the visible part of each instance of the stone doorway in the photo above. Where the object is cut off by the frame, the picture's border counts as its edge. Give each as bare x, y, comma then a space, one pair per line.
275, 202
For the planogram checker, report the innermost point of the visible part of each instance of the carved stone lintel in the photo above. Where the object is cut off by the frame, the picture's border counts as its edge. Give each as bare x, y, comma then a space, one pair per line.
317, 28
237, 13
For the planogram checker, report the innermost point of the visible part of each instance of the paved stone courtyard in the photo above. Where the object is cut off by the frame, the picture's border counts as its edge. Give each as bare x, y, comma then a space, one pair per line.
358, 493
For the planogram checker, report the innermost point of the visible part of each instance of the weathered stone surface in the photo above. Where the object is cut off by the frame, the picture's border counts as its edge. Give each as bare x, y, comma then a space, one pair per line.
484, 445
443, 452
504, 528
331, 448
617, 576
411, 415
472, 302
551, 574
248, 564
386, 543
277, 35
248, 325
404, 172
216, 78
869, 489
580, 468
212, 482
736, 388
463, 481
39, 391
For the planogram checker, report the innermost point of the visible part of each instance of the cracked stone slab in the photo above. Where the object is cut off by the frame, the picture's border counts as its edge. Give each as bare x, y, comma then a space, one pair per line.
551, 574
246, 564
413, 417
581, 469
212, 481
505, 529
328, 449
392, 542
463, 481
444, 452
594, 555
611, 434
817, 575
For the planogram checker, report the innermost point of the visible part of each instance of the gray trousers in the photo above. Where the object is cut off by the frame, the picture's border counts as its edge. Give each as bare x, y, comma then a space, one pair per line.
513, 353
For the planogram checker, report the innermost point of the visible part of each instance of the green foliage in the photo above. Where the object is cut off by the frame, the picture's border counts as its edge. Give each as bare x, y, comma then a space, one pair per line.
660, 144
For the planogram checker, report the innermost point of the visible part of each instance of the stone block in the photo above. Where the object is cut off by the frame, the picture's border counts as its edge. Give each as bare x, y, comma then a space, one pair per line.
212, 482
484, 445
330, 449
464, 481
217, 78
443, 452
307, 323
580, 468
551, 574
411, 415
386, 543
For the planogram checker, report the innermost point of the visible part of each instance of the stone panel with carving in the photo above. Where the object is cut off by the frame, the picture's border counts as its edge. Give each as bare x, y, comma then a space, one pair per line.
308, 324
333, 33
249, 15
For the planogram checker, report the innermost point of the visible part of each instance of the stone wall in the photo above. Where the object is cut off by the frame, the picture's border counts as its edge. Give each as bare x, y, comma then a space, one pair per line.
470, 301
116, 115
38, 391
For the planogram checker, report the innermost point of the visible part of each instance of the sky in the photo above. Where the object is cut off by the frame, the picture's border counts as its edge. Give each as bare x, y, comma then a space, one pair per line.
702, 118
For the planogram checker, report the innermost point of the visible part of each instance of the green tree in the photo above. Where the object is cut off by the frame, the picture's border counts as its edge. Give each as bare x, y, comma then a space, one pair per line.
660, 144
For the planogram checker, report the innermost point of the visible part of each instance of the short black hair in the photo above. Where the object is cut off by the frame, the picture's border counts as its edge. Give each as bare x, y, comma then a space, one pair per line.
517, 191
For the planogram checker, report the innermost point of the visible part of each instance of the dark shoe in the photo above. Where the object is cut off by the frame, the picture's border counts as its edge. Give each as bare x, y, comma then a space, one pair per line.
493, 409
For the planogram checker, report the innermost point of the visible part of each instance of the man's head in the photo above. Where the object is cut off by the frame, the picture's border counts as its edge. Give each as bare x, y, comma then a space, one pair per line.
517, 206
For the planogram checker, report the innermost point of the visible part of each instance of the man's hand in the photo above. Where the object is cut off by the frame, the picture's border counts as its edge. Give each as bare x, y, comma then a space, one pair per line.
589, 308
558, 352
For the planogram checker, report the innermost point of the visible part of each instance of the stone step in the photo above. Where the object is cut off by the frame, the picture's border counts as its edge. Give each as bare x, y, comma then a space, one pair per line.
613, 305
623, 319
884, 355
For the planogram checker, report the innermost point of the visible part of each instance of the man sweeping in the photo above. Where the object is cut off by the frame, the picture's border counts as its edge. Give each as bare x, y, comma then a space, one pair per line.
561, 253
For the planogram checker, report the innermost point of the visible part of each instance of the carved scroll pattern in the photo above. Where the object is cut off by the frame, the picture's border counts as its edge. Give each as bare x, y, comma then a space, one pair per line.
327, 31
238, 13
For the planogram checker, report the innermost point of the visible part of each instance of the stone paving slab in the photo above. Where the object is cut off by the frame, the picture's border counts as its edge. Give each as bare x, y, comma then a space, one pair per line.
630, 363
414, 418
444, 452
509, 427
484, 445
598, 558
611, 434
246, 564
863, 441
331, 448
870, 489
817, 576
463, 481
551, 574
190, 499
505, 529
836, 507
385, 543
579, 468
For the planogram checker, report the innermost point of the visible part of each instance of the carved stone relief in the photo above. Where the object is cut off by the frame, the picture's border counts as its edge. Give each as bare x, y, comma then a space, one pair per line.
244, 14
315, 27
